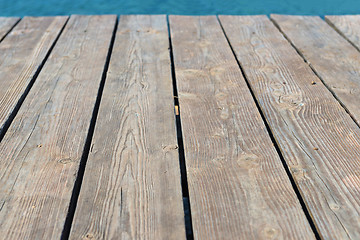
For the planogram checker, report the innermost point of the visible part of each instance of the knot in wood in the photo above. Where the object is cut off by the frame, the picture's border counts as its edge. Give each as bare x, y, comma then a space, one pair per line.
89, 236
170, 147
65, 160
270, 233
334, 206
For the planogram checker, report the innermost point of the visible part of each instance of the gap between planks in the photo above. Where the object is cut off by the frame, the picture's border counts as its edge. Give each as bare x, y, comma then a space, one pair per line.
20, 81
276, 145
182, 160
218, 151
80, 175
345, 103
314, 148
175, 108
45, 141
136, 133
7, 25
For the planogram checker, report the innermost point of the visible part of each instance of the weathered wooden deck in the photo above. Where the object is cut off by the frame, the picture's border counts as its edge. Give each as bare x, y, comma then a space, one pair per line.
118, 128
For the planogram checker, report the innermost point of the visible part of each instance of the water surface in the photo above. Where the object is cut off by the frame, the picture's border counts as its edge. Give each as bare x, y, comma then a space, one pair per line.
183, 7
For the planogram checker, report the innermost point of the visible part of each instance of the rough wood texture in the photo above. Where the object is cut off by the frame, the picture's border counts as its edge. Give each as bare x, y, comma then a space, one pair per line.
318, 139
41, 151
22, 52
348, 26
6, 23
131, 187
331, 56
237, 184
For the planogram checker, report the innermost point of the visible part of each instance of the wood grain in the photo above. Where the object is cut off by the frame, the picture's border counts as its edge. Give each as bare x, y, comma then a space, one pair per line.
6, 23
131, 187
331, 56
22, 52
348, 26
41, 151
237, 184
318, 139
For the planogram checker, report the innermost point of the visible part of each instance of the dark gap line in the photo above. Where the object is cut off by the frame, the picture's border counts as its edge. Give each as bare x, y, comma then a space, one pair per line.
340, 33
29, 86
8, 32
275, 143
182, 161
80, 175
316, 73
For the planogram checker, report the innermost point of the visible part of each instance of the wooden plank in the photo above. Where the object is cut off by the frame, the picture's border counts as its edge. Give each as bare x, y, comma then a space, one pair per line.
331, 56
42, 149
23, 51
238, 187
318, 139
6, 23
348, 26
136, 192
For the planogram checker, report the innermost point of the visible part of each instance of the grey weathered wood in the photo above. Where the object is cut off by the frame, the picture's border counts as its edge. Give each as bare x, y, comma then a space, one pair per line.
22, 52
6, 23
237, 184
131, 187
331, 56
318, 139
41, 151
348, 26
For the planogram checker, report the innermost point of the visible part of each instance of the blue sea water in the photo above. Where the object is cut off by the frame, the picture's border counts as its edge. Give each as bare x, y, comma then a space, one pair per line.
182, 7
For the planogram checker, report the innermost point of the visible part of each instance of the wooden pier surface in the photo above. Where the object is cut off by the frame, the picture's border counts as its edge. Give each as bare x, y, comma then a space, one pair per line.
180, 127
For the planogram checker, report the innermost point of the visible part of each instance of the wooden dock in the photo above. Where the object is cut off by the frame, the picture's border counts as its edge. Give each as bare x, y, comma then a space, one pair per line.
180, 127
